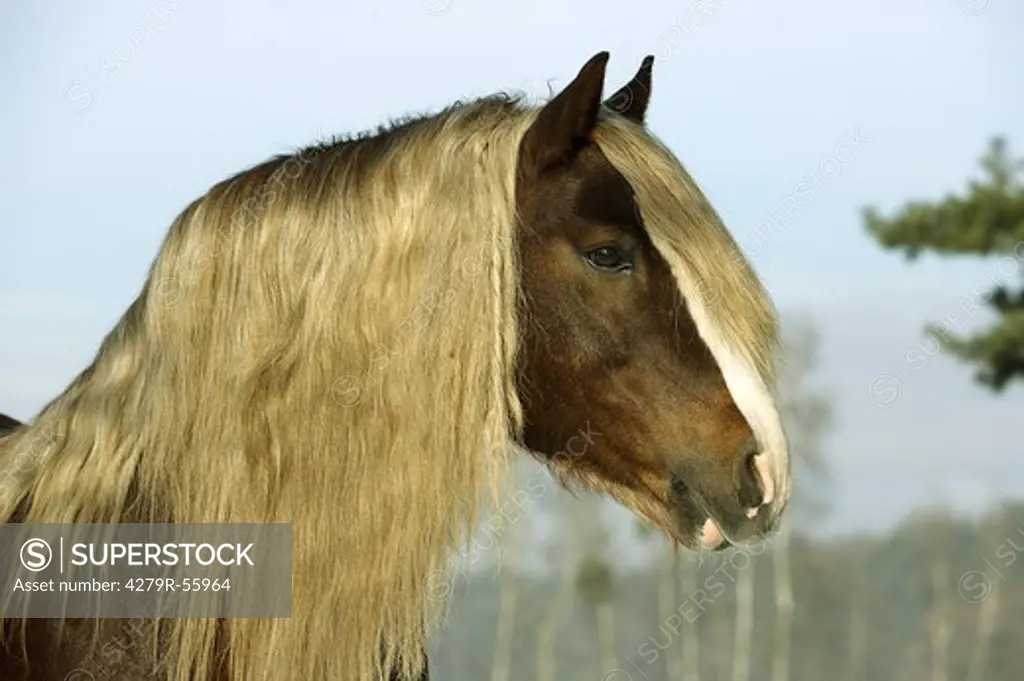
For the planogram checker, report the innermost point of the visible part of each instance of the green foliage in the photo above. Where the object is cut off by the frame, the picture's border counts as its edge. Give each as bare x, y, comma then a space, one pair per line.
987, 221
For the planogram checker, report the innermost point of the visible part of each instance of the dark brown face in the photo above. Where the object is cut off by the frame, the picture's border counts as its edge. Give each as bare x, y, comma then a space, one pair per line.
617, 385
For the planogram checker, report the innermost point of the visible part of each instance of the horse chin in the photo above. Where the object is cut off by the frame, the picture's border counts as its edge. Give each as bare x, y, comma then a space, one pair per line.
697, 531
677, 516
692, 526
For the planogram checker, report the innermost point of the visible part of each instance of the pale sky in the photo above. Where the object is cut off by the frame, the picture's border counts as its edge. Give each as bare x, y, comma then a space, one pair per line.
116, 114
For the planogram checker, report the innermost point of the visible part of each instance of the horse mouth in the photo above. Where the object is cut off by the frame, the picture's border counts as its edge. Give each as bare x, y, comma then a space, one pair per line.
709, 533
694, 518
711, 536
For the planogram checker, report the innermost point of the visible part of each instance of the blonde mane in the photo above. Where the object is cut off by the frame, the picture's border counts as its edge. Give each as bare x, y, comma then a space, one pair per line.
729, 306
337, 353
688, 233
328, 339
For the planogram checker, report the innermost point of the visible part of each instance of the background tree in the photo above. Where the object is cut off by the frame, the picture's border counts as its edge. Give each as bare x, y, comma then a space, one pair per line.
743, 629
507, 537
687, 567
987, 221
577, 518
595, 583
807, 414
1000, 530
940, 625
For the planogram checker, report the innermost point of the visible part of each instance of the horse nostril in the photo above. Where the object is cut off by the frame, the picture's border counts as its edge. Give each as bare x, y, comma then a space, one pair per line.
679, 487
751, 490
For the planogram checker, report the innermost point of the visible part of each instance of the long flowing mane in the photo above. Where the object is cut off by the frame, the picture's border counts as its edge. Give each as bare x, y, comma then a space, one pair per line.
329, 339
380, 269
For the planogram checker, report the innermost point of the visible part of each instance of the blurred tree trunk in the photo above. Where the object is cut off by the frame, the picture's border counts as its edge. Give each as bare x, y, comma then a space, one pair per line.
596, 584
547, 633
783, 607
501, 669
858, 623
744, 627
510, 538
988, 614
667, 606
691, 643
940, 628
806, 413
606, 634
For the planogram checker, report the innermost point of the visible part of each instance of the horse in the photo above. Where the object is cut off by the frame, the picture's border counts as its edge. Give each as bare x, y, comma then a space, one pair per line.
356, 338
7, 424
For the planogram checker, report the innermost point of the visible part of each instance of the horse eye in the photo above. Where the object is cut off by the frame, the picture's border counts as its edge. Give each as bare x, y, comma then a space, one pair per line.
608, 258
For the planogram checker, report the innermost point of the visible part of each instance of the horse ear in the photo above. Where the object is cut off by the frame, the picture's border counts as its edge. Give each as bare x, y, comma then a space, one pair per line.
631, 101
566, 122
